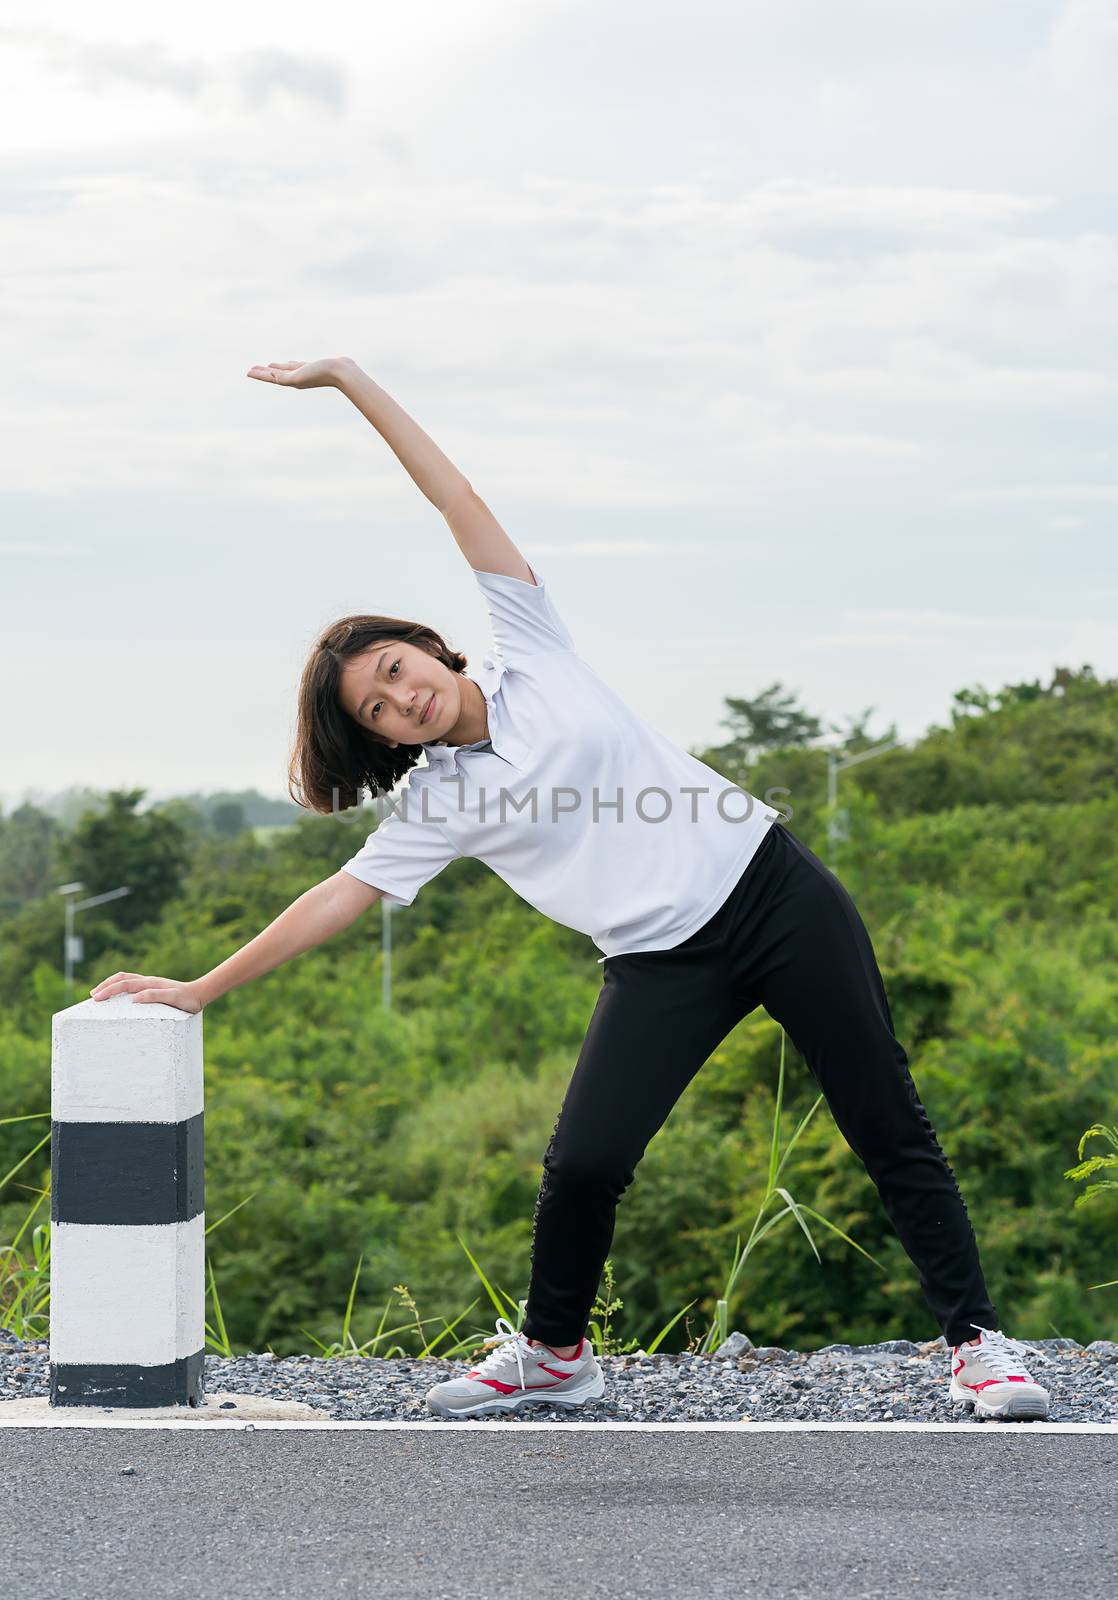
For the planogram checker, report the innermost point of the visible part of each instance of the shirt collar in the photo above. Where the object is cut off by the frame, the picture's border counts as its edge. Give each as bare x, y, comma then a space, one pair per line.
502, 738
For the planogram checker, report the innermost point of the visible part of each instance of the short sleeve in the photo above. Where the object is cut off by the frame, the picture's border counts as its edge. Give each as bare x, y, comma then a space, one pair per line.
522, 616
405, 851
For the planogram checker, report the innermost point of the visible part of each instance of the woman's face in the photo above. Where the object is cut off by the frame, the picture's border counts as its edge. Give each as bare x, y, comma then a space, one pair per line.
387, 688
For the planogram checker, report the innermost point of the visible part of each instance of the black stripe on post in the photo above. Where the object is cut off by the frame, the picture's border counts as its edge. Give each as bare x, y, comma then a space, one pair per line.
176, 1383
127, 1172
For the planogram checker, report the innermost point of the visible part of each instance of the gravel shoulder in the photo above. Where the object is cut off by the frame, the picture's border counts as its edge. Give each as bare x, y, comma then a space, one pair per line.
897, 1380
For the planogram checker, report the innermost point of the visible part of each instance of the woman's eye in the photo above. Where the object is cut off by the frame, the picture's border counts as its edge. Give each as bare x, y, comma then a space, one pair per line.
376, 708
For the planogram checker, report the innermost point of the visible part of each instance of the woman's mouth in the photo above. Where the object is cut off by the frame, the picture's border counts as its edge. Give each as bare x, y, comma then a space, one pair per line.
428, 709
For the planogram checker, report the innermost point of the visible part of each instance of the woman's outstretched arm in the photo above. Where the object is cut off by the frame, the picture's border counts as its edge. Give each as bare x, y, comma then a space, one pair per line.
480, 537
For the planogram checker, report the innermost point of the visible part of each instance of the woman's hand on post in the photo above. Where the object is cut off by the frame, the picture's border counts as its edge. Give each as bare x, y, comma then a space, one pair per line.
167, 991
324, 374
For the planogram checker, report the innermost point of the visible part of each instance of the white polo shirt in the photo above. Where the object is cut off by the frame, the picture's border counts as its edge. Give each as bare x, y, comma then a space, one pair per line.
586, 810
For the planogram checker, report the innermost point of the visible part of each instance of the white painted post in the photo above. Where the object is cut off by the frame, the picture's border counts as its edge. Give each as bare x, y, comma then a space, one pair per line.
127, 1267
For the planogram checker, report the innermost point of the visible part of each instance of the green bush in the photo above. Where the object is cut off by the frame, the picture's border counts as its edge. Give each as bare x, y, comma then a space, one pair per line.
390, 1137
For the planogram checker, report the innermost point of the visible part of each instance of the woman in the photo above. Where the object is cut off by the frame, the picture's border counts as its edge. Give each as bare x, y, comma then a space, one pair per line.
704, 906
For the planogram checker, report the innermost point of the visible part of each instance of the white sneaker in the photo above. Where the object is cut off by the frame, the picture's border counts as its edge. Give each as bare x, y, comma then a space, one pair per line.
517, 1374
991, 1378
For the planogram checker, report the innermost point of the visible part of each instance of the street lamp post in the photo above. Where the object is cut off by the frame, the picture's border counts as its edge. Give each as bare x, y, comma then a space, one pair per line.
72, 945
835, 765
386, 952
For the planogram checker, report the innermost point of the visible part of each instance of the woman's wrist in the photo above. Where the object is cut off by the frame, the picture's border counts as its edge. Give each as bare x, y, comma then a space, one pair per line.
205, 991
344, 368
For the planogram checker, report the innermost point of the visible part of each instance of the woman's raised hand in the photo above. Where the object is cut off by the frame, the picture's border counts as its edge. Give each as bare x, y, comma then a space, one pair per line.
322, 374
166, 991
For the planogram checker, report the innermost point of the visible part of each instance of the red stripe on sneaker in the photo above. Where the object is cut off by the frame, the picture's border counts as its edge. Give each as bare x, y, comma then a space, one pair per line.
985, 1384
515, 1388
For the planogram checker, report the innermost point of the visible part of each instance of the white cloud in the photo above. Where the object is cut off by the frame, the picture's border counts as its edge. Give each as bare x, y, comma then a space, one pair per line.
842, 103
1080, 56
105, 66
873, 639
954, 620
612, 547
928, 630
923, 369
1103, 493
261, 74
1094, 641
45, 551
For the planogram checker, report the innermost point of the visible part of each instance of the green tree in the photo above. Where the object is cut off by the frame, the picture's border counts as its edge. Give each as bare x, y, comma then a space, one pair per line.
149, 853
194, 822
770, 721
27, 838
227, 819
854, 733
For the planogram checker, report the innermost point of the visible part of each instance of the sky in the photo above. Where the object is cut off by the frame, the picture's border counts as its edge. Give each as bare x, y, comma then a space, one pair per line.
780, 338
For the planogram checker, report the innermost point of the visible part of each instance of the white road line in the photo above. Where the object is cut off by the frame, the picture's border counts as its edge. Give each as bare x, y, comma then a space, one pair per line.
339, 1426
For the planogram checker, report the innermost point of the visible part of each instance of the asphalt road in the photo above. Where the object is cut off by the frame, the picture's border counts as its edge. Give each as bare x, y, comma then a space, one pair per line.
468, 1512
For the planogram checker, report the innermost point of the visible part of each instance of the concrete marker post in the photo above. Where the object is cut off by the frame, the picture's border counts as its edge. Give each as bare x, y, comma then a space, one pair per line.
127, 1303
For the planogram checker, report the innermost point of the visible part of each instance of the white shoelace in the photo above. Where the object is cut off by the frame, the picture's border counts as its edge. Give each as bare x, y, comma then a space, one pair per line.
1001, 1353
499, 1355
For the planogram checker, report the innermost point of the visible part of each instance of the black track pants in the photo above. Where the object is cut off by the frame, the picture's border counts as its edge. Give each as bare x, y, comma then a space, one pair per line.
789, 938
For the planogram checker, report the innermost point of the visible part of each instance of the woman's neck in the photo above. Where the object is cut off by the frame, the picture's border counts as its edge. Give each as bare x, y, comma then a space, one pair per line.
473, 725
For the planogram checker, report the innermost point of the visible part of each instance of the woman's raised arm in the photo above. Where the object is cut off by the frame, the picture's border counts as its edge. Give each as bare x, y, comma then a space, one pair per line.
480, 537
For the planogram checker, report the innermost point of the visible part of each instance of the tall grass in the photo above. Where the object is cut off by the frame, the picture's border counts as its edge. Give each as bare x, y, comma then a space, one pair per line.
1087, 1168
